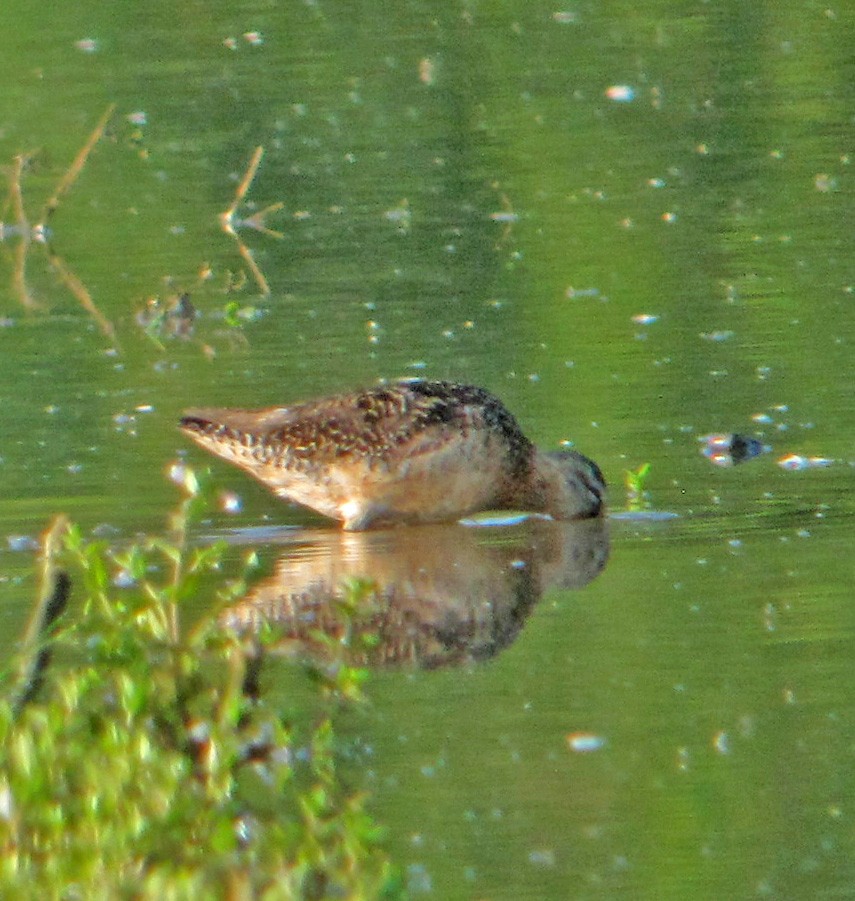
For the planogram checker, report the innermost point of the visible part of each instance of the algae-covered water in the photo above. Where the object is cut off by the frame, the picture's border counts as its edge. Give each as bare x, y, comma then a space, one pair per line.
633, 224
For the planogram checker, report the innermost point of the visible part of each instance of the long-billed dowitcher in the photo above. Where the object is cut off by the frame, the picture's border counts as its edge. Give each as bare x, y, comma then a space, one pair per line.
412, 451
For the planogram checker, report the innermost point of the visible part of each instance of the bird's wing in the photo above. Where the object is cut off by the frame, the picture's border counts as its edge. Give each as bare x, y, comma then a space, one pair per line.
407, 417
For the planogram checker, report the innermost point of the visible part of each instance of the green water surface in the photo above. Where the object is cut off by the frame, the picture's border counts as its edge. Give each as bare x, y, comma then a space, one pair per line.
634, 224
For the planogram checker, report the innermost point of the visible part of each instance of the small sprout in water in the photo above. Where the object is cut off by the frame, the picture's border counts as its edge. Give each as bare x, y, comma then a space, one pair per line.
635, 480
231, 314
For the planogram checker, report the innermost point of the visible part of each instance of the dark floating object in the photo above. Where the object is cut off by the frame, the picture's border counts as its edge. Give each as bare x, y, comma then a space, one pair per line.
174, 317
731, 449
413, 451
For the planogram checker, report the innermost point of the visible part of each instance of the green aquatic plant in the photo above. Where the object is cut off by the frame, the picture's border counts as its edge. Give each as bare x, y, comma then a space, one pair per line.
141, 755
635, 481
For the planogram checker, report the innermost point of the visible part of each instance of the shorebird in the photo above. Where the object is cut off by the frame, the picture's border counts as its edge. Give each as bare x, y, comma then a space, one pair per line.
409, 452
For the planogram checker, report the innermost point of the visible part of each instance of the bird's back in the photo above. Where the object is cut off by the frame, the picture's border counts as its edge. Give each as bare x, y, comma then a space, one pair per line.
414, 450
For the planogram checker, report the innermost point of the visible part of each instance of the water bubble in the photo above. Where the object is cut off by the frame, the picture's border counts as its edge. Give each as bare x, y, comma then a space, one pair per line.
721, 742
585, 742
542, 857
230, 502
620, 93
793, 462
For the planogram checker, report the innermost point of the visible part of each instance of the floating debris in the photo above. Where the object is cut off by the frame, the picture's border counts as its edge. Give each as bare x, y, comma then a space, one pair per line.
21, 543
731, 449
796, 462
173, 317
542, 857
400, 216
825, 183
427, 71
571, 292
645, 318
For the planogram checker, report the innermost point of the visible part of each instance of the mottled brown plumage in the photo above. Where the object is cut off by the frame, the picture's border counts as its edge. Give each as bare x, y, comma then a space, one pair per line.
413, 451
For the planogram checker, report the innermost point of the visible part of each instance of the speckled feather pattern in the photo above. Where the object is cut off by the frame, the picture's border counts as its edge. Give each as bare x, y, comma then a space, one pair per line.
378, 454
373, 424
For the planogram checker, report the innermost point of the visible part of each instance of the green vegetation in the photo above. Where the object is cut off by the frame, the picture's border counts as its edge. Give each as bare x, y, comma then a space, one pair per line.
635, 480
143, 760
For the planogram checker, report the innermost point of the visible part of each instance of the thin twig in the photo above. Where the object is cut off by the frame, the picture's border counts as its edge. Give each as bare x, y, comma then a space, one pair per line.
227, 216
28, 233
229, 222
16, 197
256, 221
76, 167
257, 274
19, 276
81, 292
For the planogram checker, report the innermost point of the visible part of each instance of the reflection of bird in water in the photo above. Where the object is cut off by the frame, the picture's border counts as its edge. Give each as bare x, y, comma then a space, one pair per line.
436, 595
413, 451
